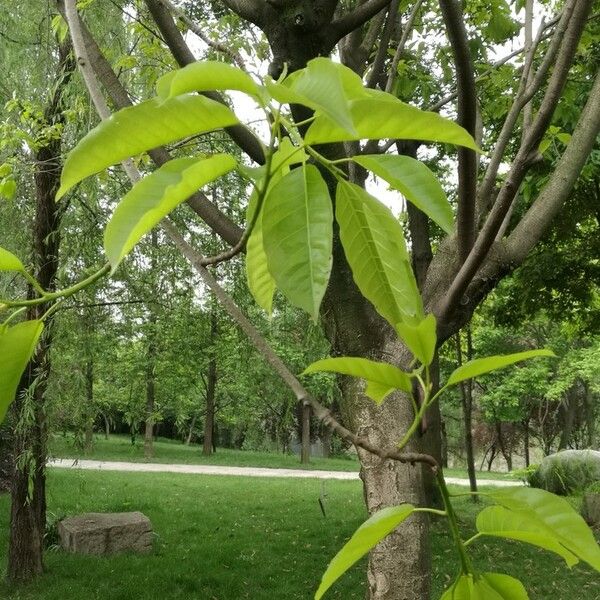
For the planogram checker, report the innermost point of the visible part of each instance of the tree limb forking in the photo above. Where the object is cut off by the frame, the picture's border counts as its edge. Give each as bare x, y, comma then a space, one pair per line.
247, 9
241, 135
353, 20
384, 40
199, 203
467, 118
197, 262
521, 162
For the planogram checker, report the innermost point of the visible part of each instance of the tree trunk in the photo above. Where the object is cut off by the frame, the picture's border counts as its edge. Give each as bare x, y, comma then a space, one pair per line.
28, 488
326, 437
188, 439
89, 403
211, 384
567, 411
590, 415
526, 442
305, 453
466, 398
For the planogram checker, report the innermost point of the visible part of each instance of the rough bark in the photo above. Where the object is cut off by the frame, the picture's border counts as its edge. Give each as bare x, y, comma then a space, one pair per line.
305, 452
28, 489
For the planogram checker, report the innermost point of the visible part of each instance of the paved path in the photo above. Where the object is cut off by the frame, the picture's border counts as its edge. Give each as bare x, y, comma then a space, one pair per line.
101, 465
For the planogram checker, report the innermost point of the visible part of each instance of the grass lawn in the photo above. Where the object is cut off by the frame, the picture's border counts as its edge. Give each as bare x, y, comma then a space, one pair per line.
230, 538
120, 448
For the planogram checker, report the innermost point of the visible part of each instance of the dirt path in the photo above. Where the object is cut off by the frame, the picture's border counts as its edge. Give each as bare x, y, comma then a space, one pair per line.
101, 465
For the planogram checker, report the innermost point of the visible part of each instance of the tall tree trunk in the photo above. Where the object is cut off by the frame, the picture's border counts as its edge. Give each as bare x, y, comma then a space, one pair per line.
89, 405
28, 489
211, 385
188, 439
5, 457
526, 442
305, 452
326, 437
567, 412
466, 398
590, 415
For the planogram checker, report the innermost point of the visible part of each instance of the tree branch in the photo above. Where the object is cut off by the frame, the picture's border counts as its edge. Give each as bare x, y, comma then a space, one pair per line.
521, 163
250, 10
359, 16
539, 216
241, 135
384, 40
467, 118
218, 46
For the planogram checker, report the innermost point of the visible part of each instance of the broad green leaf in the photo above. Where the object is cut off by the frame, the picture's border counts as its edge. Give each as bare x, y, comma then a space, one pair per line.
480, 366
374, 245
17, 345
298, 236
382, 378
136, 129
9, 262
154, 197
383, 116
498, 521
367, 536
487, 586
5, 169
203, 76
260, 282
416, 183
555, 517
420, 339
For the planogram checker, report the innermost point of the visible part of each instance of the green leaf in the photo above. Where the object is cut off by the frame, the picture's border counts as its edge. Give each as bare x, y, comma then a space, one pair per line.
8, 189
383, 116
480, 366
415, 181
420, 339
203, 76
9, 262
487, 586
260, 281
544, 145
17, 345
5, 169
367, 536
139, 128
382, 378
498, 521
374, 245
554, 517
320, 87
298, 236
155, 196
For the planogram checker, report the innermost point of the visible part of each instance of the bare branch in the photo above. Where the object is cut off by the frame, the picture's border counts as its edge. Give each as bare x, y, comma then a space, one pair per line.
406, 31
218, 46
359, 16
467, 118
521, 163
241, 135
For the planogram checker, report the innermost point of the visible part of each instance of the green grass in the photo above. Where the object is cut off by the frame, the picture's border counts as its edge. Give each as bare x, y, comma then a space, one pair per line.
229, 538
120, 448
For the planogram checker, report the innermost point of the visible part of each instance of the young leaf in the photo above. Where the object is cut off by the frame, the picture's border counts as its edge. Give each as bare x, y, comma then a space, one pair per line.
554, 517
206, 75
155, 196
367, 536
139, 128
487, 586
9, 262
374, 245
383, 116
260, 282
17, 345
298, 237
415, 181
382, 378
480, 366
420, 339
